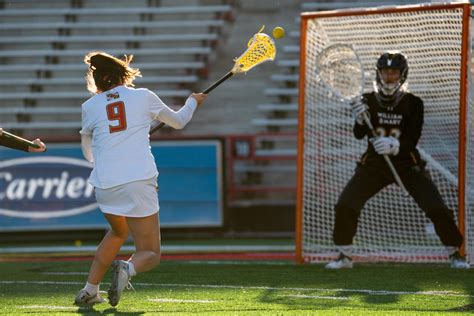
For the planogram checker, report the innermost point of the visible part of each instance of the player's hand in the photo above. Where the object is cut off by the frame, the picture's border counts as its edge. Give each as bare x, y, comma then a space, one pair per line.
199, 97
359, 107
37, 150
1, 131
386, 145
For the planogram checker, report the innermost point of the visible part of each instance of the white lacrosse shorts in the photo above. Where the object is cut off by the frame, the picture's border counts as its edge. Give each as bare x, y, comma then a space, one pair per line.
132, 199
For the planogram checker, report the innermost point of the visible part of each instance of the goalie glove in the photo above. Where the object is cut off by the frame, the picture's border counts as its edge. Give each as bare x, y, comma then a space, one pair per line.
386, 145
358, 108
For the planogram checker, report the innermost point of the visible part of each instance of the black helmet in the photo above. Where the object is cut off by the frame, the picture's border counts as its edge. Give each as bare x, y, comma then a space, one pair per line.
390, 94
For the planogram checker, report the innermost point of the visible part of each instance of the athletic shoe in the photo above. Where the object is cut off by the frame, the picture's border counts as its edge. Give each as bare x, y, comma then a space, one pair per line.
120, 281
85, 299
458, 261
342, 262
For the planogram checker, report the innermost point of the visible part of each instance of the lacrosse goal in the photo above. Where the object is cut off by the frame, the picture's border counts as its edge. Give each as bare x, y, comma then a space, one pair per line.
436, 40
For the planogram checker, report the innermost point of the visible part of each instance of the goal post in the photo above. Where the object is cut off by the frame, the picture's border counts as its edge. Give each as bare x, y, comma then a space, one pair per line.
436, 39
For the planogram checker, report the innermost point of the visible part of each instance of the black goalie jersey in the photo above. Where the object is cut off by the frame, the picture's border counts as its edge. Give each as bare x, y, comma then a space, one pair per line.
404, 122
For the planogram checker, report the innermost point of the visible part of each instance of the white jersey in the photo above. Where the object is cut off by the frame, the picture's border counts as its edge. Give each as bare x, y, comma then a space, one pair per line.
118, 121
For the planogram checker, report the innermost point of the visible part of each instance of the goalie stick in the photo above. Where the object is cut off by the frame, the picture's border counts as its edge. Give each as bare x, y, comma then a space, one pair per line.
261, 48
340, 70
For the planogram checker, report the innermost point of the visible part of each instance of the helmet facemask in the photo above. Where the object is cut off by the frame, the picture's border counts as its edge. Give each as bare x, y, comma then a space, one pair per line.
389, 94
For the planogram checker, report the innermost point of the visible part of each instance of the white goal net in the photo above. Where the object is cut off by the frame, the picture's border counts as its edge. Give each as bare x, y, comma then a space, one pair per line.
435, 38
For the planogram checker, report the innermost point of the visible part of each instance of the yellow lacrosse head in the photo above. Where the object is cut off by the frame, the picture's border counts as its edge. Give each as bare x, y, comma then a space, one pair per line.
261, 48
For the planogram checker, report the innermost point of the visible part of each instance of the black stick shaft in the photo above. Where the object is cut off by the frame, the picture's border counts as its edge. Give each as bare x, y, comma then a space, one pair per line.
218, 82
19, 139
209, 89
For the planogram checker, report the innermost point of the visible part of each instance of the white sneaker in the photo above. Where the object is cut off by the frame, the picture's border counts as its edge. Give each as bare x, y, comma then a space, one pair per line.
120, 281
83, 298
342, 262
458, 261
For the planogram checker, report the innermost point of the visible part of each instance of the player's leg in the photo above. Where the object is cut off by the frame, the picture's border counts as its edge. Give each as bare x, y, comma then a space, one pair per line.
427, 196
109, 247
362, 186
146, 236
144, 226
105, 254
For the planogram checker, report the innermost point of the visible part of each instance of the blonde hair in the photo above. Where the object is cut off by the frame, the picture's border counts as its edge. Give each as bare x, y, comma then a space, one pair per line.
106, 71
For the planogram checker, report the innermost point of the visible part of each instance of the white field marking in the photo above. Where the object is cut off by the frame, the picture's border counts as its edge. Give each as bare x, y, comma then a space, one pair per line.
47, 307
167, 249
266, 288
172, 300
210, 262
42, 282
269, 288
65, 273
224, 262
319, 297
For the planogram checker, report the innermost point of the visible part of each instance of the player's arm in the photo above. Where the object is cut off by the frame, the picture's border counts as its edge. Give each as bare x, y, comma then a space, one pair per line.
86, 136
176, 119
359, 106
86, 141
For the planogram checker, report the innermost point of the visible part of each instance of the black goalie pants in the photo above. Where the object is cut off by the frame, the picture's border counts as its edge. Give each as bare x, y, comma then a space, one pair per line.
367, 181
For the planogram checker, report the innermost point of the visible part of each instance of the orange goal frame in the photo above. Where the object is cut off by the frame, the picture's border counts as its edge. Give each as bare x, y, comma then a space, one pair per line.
463, 106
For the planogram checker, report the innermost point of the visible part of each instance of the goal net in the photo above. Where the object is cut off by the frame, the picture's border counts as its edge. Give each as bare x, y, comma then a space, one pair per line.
435, 38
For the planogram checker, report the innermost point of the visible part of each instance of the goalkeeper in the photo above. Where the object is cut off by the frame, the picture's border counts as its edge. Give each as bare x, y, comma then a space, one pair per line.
397, 117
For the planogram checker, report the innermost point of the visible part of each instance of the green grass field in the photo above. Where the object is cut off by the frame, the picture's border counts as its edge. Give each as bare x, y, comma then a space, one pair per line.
245, 288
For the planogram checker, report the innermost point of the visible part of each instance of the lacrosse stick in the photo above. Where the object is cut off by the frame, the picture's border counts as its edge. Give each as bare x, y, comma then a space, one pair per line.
19, 139
261, 48
341, 71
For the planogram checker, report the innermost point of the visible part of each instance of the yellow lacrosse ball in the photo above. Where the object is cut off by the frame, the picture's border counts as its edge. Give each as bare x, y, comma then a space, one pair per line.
278, 32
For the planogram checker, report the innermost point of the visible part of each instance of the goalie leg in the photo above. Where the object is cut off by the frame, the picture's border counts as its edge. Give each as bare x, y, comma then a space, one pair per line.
364, 184
428, 198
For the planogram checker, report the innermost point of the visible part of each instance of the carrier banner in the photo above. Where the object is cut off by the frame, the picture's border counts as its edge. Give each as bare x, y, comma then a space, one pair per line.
49, 191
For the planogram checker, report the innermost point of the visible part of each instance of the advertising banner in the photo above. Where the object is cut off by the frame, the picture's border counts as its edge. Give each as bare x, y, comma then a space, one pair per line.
49, 191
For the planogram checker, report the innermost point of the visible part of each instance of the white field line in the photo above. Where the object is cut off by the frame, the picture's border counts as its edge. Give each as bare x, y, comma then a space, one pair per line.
166, 249
172, 300
318, 297
265, 288
269, 288
65, 273
48, 307
226, 262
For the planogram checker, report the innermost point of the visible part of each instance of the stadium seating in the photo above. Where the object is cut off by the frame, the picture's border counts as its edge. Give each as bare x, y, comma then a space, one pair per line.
341, 4
43, 43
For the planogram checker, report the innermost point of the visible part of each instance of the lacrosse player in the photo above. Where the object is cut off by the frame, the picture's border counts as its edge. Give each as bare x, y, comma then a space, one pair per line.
397, 117
115, 137
15, 144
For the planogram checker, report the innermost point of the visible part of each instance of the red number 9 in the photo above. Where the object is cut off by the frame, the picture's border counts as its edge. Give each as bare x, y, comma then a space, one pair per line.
116, 112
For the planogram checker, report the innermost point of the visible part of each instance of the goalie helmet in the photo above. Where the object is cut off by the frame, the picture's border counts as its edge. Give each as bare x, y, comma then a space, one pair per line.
389, 94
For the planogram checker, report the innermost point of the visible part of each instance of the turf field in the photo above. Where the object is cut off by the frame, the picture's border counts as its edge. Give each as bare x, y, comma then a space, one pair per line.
248, 287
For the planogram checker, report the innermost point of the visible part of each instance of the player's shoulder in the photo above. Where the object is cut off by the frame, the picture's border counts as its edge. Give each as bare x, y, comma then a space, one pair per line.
87, 104
412, 96
413, 99
137, 90
369, 97
142, 92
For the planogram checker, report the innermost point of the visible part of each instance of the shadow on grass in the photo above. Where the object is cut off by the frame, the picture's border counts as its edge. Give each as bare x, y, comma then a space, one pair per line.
384, 287
465, 308
108, 311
